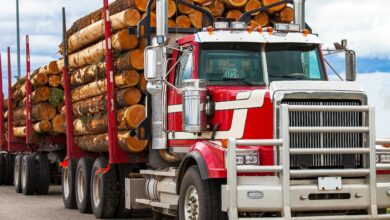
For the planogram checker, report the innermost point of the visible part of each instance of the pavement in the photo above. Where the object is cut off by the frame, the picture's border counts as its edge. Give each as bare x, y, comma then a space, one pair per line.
14, 206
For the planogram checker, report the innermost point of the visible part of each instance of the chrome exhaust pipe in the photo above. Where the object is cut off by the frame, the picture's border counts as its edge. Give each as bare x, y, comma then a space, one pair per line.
162, 21
299, 13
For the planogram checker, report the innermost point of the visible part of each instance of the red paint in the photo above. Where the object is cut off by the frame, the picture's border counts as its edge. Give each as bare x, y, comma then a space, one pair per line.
2, 137
102, 170
213, 155
64, 164
116, 154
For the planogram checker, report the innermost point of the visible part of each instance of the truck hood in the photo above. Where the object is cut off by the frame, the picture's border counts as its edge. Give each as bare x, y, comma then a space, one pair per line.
314, 87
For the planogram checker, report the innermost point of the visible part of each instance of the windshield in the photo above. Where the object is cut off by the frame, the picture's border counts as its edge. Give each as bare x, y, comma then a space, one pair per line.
231, 64
294, 62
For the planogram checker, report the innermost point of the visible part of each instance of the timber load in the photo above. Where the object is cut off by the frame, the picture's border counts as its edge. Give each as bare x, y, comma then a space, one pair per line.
46, 98
86, 55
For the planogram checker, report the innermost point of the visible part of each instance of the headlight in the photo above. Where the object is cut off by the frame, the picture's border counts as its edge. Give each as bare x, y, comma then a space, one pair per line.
383, 158
247, 157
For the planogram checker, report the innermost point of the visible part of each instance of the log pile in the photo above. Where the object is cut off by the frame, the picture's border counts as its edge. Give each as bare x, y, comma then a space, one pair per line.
46, 96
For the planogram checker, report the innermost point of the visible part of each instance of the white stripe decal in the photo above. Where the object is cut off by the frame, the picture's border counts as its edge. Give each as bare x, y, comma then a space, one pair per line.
244, 100
236, 131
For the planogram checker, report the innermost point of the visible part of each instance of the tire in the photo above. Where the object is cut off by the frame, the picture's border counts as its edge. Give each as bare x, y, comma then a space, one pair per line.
43, 176
200, 196
8, 169
82, 189
68, 185
104, 190
18, 173
29, 175
1, 169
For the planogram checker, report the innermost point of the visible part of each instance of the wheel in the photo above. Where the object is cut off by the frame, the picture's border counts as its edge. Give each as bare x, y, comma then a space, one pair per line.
199, 199
68, 185
83, 178
29, 175
18, 173
8, 169
43, 176
1, 169
104, 190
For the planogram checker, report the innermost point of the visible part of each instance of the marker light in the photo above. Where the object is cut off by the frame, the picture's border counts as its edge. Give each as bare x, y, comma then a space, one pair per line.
306, 32
249, 29
221, 25
270, 30
210, 29
260, 29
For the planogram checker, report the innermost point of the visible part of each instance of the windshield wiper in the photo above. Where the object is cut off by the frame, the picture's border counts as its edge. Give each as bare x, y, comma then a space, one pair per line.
291, 76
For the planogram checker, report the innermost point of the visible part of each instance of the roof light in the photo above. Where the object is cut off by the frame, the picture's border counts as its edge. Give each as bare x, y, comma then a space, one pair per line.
221, 25
287, 27
260, 29
306, 32
210, 29
294, 27
238, 25
270, 30
249, 29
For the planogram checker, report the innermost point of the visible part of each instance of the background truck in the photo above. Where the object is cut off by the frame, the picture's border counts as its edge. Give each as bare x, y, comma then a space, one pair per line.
32, 133
235, 121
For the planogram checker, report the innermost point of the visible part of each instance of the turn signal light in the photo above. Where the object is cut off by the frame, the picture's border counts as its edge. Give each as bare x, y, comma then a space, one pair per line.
224, 143
210, 29
306, 32
249, 29
270, 30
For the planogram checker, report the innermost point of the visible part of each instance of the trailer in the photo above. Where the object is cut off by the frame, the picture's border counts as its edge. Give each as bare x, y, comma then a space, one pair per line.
242, 123
30, 163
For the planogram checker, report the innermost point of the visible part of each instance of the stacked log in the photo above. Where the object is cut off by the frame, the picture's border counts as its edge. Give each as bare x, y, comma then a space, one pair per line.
47, 94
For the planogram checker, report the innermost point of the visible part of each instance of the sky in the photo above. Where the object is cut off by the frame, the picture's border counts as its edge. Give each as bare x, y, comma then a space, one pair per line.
365, 24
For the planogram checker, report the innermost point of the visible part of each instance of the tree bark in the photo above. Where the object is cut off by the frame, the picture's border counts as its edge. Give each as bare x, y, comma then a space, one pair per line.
234, 14
99, 143
133, 59
121, 41
273, 9
95, 31
19, 94
88, 74
128, 96
235, 3
19, 114
19, 131
58, 124
54, 81
90, 106
40, 94
183, 21
114, 8
43, 111
42, 127
89, 90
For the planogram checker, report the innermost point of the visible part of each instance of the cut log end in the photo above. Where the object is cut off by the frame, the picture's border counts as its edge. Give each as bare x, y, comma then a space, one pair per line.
131, 144
58, 124
127, 78
137, 59
273, 9
171, 8
262, 19
251, 5
234, 14
54, 81
184, 9
132, 17
217, 8
183, 21
127, 41
286, 15
235, 3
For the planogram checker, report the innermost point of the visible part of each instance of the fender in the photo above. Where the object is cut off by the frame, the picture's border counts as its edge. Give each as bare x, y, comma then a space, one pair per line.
209, 157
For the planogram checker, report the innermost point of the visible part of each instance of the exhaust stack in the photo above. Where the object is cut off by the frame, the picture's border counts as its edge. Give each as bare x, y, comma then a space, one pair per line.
162, 21
299, 13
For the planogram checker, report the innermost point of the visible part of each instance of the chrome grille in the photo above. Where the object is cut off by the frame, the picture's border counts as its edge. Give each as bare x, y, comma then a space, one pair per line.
325, 140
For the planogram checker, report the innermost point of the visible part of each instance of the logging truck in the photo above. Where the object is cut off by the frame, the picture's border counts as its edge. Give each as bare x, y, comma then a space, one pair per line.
239, 122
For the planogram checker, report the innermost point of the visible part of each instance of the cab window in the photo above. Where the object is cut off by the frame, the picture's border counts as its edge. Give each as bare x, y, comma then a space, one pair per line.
183, 68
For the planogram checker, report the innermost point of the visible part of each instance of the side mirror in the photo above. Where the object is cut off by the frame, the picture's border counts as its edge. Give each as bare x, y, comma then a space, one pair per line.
350, 60
150, 63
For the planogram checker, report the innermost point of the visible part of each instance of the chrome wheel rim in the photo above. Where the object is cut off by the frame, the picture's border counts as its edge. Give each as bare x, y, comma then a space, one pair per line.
65, 177
96, 188
24, 173
16, 173
191, 204
80, 185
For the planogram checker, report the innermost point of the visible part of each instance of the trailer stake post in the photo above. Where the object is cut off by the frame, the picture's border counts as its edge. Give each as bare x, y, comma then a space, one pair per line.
28, 94
2, 137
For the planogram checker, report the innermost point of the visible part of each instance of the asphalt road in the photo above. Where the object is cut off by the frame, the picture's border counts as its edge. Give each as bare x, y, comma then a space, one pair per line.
15, 206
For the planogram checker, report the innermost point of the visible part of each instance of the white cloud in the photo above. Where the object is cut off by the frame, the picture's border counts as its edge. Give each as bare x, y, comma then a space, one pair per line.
366, 24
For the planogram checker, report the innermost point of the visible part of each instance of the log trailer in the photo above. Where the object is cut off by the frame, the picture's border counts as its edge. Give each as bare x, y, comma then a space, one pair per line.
243, 123
30, 163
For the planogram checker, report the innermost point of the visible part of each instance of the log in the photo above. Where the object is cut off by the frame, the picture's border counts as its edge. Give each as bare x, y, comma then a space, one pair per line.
5, 104
128, 96
19, 131
253, 23
141, 5
54, 81
142, 43
234, 14
142, 84
80, 127
40, 94
99, 143
19, 94
114, 8
184, 9
235, 3
196, 18
262, 19
132, 115
171, 23
133, 59
50, 68
251, 5
19, 114
43, 111
87, 74
286, 15
89, 90
126, 78
90, 106
42, 127
95, 31
183, 21
6, 115
273, 9
58, 124
19, 83
217, 8
121, 41
172, 8
60, 64
39, 79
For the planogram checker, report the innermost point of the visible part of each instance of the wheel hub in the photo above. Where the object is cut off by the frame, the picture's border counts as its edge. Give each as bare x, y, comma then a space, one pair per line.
80, 185
66, 182
24, 173
16, 173
191, 204
96, 188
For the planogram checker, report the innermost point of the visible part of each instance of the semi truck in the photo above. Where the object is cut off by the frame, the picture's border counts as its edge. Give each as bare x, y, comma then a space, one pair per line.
243, 123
